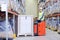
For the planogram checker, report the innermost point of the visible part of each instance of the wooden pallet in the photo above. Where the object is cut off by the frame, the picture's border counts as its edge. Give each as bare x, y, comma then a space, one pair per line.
53, 29
48, 27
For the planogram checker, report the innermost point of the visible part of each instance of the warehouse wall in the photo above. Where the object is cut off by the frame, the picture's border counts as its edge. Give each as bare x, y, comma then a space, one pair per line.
31, 7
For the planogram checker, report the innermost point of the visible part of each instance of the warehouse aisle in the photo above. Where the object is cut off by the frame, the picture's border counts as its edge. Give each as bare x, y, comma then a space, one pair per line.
50, 35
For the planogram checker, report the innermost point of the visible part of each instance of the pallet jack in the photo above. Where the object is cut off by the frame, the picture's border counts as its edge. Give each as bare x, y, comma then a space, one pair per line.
39, 27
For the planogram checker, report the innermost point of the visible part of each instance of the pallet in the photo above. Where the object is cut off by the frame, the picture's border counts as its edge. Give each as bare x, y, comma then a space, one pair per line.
58, 31
48, 27
53, 29
5, 38
25, 35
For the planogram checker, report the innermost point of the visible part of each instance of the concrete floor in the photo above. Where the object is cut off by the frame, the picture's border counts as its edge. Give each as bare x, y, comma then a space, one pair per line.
50, 35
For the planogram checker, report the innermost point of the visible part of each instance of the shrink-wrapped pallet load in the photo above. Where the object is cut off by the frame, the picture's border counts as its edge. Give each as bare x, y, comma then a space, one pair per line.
58, 25
3, 30
54, 23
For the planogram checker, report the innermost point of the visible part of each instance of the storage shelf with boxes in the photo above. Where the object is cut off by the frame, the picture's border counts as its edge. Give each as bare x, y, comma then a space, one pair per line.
3, 21
54, 24
3, 26
53, 16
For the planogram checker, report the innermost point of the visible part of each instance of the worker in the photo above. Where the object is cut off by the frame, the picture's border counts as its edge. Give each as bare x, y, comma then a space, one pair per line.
41, 15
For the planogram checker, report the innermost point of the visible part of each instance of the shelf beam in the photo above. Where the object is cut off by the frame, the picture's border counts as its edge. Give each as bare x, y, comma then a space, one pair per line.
53, 15
12, 12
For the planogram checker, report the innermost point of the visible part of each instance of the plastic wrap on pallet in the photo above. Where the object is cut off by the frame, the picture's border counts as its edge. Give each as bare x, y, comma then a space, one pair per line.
3, 29
50, 22
52, 9
3, 26
56, 7
18, 6
47, 22
59, 24
59, 28
11, 22
54, 22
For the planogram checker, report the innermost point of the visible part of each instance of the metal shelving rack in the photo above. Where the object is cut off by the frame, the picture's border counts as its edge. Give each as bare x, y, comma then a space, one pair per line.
53, 11
54, 7
15, 6
6, 13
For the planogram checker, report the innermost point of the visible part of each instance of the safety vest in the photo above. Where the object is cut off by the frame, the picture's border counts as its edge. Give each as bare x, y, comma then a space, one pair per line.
41, 16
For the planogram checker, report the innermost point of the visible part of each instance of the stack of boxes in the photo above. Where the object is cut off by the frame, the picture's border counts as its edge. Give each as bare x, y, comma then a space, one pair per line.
58, 24
54, 23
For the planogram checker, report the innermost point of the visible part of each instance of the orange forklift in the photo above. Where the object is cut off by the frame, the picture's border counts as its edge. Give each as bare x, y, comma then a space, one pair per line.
39, 27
